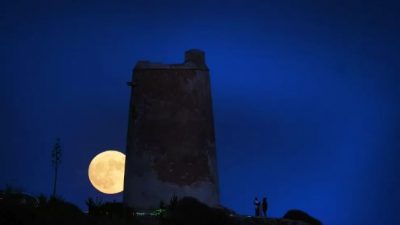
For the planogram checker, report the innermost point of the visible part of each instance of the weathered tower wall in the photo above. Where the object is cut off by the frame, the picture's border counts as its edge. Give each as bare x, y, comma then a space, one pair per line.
170, 141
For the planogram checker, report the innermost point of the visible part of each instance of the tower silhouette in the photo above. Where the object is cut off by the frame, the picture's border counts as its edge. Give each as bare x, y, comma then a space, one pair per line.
170, 141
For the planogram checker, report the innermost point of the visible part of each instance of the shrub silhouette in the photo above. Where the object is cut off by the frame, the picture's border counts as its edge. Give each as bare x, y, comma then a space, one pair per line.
13, 211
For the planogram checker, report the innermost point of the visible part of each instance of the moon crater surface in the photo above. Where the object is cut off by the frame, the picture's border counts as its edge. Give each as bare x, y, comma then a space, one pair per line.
106, 172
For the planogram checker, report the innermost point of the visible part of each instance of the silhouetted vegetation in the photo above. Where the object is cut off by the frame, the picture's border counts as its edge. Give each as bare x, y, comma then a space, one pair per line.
109, 209
56, 160
20, 208
162, 205
17, 208
173, 202
92, 206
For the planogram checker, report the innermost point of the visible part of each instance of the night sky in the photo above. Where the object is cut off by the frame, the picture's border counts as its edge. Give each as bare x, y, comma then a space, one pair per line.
305, 96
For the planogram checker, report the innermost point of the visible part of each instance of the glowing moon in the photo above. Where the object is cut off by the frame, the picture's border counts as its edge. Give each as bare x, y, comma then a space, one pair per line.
106, 172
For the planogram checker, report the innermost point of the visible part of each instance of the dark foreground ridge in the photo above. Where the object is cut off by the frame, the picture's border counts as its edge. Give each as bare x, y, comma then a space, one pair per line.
23, 209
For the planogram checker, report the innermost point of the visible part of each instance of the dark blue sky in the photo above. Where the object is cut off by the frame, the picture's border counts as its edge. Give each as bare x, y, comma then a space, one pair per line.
305, 95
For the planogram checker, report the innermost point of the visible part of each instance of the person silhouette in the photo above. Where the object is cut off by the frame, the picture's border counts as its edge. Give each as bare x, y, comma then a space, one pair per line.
264, 206
257, 206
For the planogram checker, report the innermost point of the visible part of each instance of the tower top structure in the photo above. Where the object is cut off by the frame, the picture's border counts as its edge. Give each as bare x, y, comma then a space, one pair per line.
194, 60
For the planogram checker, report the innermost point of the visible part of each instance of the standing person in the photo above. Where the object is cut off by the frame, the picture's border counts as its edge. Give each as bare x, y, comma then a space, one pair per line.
264, 206
257, 206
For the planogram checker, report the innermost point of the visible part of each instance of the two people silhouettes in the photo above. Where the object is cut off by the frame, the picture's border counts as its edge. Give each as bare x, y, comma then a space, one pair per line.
260, 208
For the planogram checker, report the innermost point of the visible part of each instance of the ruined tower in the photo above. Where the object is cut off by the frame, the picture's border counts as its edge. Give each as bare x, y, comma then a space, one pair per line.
170, 142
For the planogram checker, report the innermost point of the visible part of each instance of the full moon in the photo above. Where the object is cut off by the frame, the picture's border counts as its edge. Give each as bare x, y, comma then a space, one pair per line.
106, 172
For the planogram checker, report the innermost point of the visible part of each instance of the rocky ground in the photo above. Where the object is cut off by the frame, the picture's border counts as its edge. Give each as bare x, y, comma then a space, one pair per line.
238, 220
186, 211
271, 221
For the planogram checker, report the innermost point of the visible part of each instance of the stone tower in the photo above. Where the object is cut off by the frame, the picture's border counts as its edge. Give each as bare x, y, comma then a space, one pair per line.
170, 142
